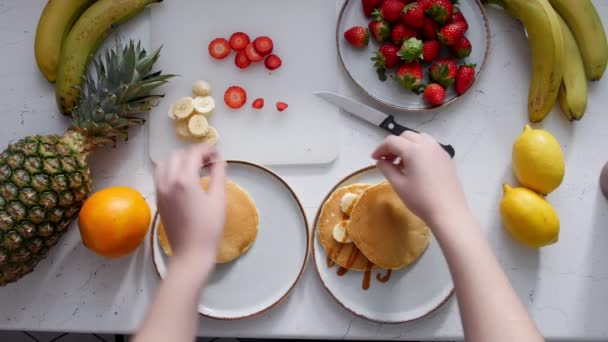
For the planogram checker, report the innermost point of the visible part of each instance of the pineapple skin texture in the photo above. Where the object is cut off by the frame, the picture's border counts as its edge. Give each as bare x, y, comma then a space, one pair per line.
44, 180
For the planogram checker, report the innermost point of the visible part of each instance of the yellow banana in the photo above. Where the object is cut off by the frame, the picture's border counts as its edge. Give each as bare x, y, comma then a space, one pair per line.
547, 45
55, 23
573, 91
586, 26
80, 45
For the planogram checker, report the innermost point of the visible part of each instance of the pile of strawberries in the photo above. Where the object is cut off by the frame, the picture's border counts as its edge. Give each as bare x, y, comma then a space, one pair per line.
413, 33
247, 51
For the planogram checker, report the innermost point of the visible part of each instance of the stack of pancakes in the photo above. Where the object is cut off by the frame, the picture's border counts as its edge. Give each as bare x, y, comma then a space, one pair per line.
379, 229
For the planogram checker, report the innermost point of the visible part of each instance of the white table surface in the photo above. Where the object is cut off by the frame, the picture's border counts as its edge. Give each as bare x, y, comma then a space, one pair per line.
564, 286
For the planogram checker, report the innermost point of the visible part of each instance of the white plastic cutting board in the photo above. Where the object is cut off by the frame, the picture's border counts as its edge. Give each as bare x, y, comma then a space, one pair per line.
304, 37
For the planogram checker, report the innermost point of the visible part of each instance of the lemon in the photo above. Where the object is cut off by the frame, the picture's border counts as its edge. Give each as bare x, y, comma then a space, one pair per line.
538, 160
529, 217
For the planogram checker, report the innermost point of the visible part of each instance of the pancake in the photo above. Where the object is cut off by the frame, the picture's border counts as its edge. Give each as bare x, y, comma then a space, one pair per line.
385, 230
240, 229
346, 255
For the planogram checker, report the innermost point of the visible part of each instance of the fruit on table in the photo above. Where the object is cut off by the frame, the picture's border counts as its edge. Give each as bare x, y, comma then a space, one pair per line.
604, 180
182, 108
281, 106
357, 36
239, 41
459, 17
46, 179
252, 54
113, 222
190, 116
273, 62
263, 45
538, 161
573, 91
370, 5
434, 94
204, 105
82, 42
235, 97
201, 88
198, 125
258, 103
400, 33
219, 48
586, 25
241, 60
464, 78
528, 217
55, 23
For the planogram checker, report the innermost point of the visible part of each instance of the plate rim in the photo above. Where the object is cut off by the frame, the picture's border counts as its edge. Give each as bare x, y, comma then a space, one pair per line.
314, 259
415, 110
304, 263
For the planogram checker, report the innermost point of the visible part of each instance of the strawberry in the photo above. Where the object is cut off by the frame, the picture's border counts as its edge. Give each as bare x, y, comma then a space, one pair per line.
273, 62
380, 30
263, 45
430, 51
451, 33
444, 71
401, 33
239, 41
241, 60
459, 17
357, 36
219, 48
441, 11
258, 103
370, 5
429, 29
434, 94
413, 16
281, 106
386, 58
252, 54
464, 78
411, 50
235, 97
425, 4
390, 10
462, 49
409, 76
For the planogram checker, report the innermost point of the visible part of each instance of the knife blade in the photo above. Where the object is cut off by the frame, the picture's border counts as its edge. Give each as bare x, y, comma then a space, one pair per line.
371, 115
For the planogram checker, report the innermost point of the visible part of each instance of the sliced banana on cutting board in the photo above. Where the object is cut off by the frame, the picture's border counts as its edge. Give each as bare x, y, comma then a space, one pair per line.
201, 88
204, 105
183, 108
190, 115
198, 125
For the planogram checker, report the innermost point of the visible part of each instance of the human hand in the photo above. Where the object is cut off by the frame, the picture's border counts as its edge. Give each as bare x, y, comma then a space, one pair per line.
194, 219
422, 174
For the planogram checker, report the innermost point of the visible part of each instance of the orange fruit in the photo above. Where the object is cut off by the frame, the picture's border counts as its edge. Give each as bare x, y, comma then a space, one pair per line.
114, 221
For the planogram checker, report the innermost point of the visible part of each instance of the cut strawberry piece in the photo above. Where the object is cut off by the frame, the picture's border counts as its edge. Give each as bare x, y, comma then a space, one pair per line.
241, 60
258, 103
252, 54
263, 45
235, 97
273, 62
239, 41
219, 48
281, 106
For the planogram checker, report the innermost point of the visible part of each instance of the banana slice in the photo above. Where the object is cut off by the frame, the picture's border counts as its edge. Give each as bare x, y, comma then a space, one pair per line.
339, 233
183, 108
181, 129
204, 105
198, 125
212, 137
348, 203
201, 88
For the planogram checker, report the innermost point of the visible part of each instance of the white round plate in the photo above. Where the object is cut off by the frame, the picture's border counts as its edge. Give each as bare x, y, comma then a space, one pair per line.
263, 276
410, 294
361, 70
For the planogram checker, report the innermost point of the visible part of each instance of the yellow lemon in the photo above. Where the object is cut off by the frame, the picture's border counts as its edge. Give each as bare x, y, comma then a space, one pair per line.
529, 217
538, 160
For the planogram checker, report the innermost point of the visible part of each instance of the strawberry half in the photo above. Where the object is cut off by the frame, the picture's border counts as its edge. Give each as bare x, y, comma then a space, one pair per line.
462, 49
219, 48
235, 97
241, 60
441, 11
429, 29
451, 33
380, 30
370, 5
390, 10
252, 54
413, 16
258, 103
386, 58
281, 106
444, 71
411, 50
401, 33
357, 36
273, 62
430, 51
263, 45
239, 41
464, 78
434, 94
409, 76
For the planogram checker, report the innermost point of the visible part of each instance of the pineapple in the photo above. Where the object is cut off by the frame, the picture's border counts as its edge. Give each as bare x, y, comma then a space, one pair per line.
44, 180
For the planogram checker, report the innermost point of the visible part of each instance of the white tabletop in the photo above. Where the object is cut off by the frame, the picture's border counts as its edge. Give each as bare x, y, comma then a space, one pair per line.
564, 286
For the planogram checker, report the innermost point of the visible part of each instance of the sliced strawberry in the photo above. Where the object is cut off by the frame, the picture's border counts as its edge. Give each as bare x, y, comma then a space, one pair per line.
281, 106
252, 54
219, 48
273, 62
241, 60
263, 45
239, 41
235, 97
258, 103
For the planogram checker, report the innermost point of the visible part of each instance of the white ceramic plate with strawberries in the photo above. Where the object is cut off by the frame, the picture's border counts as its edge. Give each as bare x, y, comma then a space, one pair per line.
360, 68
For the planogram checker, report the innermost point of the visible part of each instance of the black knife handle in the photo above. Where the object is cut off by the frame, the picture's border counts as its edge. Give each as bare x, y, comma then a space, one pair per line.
392, 126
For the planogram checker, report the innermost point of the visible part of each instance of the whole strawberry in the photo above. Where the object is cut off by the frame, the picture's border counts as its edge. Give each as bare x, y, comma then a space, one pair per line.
386, 58
411, 50
444, 71
357, 36
370, 5
464, 78
413, 16
390, 10
401, 33
380, 30
441, 11
429, 29
451, 33
430, 51
434, 94
425, 4
459, 17
409, 76
462, 49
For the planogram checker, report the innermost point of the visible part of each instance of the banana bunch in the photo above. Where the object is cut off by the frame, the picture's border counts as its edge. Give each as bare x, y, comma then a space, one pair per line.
68, 35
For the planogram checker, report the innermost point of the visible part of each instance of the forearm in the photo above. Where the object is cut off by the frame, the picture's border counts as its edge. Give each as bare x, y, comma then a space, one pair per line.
489, 307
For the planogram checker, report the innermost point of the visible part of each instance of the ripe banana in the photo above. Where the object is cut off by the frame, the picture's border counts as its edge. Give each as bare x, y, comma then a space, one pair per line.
573, 91
586, 25
55, 23
82, 42
547, 45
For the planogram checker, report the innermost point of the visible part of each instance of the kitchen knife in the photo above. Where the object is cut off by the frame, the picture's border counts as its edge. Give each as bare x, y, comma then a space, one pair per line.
372, 115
